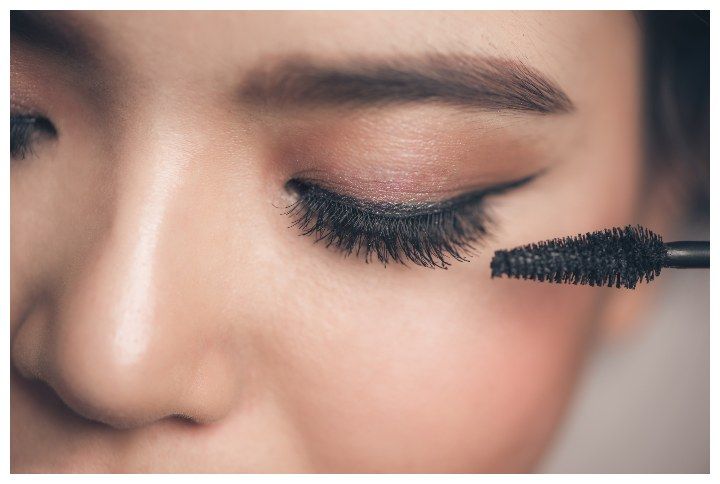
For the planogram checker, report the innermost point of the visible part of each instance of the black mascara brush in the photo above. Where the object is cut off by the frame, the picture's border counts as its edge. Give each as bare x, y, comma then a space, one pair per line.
619, 257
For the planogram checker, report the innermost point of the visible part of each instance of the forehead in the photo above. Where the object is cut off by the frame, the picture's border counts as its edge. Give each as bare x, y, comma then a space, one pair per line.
556, 43
192, 59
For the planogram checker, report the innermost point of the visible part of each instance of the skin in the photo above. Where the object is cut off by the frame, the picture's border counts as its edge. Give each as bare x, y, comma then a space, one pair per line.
166, 319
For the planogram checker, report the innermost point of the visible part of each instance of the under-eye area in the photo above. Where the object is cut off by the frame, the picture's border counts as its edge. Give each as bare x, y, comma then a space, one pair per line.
429, 234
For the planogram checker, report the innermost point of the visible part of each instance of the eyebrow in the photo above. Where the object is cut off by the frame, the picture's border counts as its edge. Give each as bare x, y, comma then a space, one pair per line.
53, 33
486, 83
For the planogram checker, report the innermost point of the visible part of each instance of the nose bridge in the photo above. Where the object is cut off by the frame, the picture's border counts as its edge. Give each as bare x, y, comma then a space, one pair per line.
121, 355
132, 259
121, 297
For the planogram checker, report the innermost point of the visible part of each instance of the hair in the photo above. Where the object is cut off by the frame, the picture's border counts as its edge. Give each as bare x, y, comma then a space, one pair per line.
677, 105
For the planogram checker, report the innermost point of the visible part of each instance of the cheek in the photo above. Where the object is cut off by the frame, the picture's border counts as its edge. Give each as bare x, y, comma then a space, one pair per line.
447, 369
450, 380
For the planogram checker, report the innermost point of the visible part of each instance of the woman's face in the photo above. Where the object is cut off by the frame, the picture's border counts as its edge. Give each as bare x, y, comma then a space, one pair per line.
167, 317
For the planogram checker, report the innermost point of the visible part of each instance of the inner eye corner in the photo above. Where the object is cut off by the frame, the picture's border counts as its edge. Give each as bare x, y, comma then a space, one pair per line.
294, 187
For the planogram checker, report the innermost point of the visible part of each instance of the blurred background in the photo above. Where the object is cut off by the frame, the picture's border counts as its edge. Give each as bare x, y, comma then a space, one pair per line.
644, 402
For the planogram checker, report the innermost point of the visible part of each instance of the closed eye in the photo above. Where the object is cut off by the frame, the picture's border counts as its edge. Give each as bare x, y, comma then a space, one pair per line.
24, 132
427, 234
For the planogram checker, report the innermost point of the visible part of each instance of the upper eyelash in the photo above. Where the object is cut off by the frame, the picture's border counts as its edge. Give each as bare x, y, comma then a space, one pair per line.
427, 234
22, 130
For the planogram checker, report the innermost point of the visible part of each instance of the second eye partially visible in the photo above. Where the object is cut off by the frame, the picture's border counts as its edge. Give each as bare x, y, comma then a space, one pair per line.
24, 129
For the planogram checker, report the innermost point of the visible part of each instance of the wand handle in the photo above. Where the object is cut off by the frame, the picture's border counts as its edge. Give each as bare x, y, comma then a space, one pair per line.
686, 254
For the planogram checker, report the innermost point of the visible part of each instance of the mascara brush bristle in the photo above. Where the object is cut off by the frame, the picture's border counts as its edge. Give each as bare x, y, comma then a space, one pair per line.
619, 257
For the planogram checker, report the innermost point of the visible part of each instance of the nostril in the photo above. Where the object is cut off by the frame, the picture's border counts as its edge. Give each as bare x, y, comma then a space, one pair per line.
42, 393
95, 394
176, 379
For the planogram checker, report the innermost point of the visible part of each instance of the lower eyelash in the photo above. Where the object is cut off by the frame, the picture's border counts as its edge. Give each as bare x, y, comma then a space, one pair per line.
427, 235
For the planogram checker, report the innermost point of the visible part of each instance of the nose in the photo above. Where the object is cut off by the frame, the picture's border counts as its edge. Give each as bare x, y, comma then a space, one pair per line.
133, 337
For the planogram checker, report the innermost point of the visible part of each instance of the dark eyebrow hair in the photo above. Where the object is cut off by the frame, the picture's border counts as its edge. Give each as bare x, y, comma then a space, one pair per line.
487, 83
54, 33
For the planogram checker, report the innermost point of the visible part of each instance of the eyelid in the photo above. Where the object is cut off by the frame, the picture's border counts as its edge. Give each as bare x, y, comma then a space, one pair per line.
25, 129
399, 209
427, 234
38, 121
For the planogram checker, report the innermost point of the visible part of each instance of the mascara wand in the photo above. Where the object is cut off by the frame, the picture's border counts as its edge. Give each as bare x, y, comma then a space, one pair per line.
619, 257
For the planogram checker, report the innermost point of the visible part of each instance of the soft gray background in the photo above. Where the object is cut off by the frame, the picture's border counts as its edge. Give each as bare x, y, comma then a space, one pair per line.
644, 403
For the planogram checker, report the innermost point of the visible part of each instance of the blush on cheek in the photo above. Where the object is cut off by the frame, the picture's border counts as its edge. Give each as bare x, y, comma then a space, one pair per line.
506, 388
539, 340
466, 385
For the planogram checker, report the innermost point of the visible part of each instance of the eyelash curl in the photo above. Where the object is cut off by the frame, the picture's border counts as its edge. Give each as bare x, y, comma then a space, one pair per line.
427, 234
23, 132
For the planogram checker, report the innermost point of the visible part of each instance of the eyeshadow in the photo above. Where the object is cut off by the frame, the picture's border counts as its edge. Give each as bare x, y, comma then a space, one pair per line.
400, 209
407, 155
